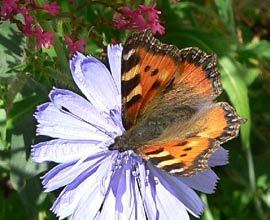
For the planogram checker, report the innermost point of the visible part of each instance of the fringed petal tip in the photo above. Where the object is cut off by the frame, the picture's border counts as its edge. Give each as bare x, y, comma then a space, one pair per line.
75, 60
40, 108
219, 158
99, 89
77, 56
115, 47
55, 91
65, 151
205, 181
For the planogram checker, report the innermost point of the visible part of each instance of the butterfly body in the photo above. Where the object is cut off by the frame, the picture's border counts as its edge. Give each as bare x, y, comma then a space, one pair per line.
152, 126
169, 112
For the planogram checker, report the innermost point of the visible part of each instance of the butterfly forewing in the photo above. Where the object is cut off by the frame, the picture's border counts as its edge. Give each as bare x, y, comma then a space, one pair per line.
148, 66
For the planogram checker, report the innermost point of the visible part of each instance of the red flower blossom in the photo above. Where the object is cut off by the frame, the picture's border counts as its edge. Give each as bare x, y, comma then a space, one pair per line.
52, 8
43, 38
27, 27
73, 47
9, 8
26, 30
142, 18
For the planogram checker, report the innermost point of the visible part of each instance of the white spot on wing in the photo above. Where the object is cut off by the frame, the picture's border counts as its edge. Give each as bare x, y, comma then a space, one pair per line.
177, 171
129, 54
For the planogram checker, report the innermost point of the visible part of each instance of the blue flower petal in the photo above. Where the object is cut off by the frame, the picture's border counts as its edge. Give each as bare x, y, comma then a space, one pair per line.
96, 82
57, 124
114, 56
108, 207
140, 212
72, 199
124, 194
125, 197
203, 181
150, 204
55, 179
63, 151
168, 204
179, 190
56, 170
142, 177
71, 103
219, 157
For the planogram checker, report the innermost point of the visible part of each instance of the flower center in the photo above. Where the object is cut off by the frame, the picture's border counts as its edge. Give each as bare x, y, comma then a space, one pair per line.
120, 144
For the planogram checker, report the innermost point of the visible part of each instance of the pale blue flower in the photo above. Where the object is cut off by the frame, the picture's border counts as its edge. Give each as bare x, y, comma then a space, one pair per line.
98, 183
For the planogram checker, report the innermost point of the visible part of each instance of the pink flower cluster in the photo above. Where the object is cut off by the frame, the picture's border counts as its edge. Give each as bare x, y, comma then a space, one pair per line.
144, 17
52, 8
75, 46
10, 8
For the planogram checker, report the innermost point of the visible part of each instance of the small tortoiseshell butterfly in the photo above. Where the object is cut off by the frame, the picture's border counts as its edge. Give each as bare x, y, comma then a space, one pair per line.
169, 108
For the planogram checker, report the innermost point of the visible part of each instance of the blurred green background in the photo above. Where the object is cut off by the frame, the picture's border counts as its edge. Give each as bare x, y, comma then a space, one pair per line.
237, 31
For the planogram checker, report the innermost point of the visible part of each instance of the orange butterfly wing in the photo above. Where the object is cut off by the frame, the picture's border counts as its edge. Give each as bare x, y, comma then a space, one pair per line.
181, 156
185, 150
168, 105
145, 70
149, 66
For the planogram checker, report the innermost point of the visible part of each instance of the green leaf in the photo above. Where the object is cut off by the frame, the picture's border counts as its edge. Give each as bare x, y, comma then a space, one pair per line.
11, 47
256, 50
238, 94
17, 162
21, 108
2, 128
10, 203
22, 169
21, 164
31, 196
250, 75
16, 84
226, 14
210, 42
266, 199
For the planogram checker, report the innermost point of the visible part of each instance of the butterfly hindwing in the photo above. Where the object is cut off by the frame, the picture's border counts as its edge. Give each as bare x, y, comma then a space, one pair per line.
217, 121
184, 148
182, 157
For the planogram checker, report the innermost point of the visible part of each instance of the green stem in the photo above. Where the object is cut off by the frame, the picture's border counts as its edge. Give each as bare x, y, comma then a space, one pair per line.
252, 182
4, 207
251, 172
208, 214
60, 52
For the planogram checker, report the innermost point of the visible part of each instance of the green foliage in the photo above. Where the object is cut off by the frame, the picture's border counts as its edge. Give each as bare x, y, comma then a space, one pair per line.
223, 27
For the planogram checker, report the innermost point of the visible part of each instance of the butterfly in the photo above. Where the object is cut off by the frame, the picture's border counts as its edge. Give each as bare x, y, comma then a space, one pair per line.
169, 109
